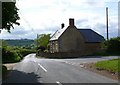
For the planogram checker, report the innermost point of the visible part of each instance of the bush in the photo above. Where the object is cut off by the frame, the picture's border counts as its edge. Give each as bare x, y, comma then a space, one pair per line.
22, 52
4, 70
9, 56
41, 48
25, 52
112, 46
14, 54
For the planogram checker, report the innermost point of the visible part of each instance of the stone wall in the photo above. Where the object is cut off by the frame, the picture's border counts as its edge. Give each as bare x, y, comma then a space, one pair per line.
92, 48
61, 54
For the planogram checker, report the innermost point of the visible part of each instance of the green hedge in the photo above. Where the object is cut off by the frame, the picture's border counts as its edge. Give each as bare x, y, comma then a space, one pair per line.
112, 46
25, 52
9, 56
4, 70
14, 54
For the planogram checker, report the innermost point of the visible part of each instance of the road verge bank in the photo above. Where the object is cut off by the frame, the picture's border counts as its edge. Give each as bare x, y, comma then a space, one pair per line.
108, 73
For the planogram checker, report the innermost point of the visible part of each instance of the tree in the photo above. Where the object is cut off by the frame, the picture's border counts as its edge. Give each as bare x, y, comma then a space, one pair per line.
9, 15
3, 43
112, 45
41, 48
43, 40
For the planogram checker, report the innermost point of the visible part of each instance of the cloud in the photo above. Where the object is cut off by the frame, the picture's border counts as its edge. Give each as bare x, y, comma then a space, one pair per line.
100, 28
112, 29
17, 33
21, 33
46, 16
82, 23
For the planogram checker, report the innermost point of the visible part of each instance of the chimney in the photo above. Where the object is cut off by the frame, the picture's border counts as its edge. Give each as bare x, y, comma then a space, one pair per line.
62, 25
71, 22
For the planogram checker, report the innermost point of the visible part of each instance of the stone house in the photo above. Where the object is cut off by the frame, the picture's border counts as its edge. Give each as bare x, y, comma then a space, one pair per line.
72, 39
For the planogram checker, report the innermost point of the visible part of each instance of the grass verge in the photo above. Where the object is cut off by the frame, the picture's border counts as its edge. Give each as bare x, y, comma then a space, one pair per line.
109, 65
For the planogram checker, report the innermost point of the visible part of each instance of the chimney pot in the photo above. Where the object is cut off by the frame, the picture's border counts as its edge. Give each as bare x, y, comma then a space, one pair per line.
62, 25
71, 22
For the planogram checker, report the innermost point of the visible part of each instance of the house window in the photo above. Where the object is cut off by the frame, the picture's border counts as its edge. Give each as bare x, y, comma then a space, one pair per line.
56, 45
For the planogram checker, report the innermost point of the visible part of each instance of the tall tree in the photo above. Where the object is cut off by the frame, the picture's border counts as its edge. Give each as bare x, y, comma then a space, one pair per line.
43, 40
9, 15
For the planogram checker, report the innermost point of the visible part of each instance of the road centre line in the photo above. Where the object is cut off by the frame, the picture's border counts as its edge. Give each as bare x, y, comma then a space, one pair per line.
42, 67
34, 61
58, 83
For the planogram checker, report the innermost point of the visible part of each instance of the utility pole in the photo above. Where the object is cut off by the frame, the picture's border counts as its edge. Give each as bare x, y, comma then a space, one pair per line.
119, 19
107, 22
37, 45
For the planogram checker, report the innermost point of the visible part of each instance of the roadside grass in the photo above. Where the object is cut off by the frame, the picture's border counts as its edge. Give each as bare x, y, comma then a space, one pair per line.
109, 65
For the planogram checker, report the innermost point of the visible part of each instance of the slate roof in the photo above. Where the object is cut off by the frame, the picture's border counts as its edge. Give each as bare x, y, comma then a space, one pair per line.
88, 34
91, 36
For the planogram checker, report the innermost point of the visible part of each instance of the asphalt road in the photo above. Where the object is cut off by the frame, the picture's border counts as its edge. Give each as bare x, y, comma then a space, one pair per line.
59, 71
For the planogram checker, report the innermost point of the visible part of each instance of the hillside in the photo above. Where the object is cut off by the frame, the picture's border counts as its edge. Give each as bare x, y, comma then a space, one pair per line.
20, 42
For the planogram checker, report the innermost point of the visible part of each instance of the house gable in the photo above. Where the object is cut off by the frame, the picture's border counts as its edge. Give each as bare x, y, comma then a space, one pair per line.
57, 34
71, 40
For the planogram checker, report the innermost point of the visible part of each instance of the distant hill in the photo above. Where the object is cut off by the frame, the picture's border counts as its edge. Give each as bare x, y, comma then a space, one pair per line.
20, 42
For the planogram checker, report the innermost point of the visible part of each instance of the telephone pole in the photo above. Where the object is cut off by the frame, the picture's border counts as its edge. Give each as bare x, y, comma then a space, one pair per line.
37, 45
107, 22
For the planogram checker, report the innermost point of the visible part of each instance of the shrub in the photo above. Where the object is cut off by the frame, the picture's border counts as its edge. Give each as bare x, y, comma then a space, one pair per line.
41, 48
22, 52
14, 54
25, 52
4, 70
9, 56
112, 45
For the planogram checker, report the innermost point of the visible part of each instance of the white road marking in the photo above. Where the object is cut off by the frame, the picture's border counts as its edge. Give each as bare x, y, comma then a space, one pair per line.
81, 66
73, 64
66, 62
69, 63
34, 61
58, 83
42, 67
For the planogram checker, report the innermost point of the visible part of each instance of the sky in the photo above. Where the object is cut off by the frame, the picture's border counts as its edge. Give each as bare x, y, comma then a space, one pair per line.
46, 16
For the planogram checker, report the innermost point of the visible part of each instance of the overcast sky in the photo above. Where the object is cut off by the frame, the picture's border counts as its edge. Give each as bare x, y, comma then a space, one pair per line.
46, 16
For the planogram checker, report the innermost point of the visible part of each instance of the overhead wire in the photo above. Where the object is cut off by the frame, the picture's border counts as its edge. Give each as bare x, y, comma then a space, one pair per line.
27, 23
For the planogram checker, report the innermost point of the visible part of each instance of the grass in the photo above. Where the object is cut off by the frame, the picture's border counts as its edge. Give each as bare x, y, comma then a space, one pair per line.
109, 65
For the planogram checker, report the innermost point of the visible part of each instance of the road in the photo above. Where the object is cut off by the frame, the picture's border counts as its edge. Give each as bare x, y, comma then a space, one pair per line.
59, 71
